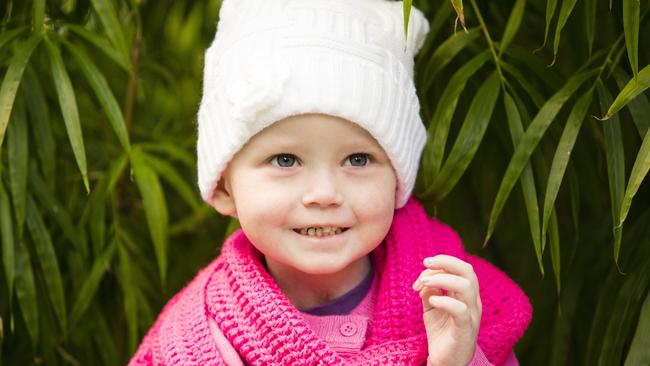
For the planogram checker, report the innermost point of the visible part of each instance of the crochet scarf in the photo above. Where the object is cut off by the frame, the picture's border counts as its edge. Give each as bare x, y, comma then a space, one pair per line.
266, 329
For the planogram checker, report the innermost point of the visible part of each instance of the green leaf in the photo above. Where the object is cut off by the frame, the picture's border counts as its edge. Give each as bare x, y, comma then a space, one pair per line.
12, 79
615, 165
8, 34
532, 92
8, 240
119, 58
171, 175
39, 15
631, 15
527, 179
39, 118
562, 155
550, 12
565, 12
91, 283
639, 171
554, 238
18, 158
639, 106
442, 14
103, 92
69, 109
439, 126
172, 150
444, 54
639, 353
460, 14
47, 260
529, 142
154, 206
514, 21
57, 211
26, 291
129, 287
108, 16
633, 88
623, 312
406, 5
469, 137
590, 22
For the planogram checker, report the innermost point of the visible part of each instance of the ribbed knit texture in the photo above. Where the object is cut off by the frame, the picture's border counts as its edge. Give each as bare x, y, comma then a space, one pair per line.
266, 329
274, 59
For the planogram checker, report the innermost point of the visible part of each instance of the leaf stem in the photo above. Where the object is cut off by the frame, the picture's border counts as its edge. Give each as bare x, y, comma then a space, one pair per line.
497, 60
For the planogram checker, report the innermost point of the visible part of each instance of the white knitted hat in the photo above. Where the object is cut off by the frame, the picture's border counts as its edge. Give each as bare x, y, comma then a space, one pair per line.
272, 59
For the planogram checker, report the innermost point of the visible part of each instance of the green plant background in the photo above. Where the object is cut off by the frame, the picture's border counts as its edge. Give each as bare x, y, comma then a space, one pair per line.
101, 221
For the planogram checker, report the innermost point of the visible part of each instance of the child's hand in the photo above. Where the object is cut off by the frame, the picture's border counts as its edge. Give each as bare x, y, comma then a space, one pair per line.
451, 321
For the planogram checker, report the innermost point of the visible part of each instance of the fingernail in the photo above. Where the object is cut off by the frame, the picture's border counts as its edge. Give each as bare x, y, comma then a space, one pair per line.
428, 261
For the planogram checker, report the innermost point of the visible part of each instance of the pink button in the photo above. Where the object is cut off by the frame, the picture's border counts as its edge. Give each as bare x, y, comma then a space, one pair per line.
348, 329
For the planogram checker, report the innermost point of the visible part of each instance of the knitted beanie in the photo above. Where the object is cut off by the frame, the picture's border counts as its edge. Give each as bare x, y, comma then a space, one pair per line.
272, 59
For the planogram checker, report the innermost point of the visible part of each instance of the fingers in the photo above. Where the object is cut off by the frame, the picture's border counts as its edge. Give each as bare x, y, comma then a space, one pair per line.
451, 265
456, 308
456, 286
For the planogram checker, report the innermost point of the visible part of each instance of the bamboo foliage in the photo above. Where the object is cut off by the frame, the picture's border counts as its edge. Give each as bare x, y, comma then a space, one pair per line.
531, 144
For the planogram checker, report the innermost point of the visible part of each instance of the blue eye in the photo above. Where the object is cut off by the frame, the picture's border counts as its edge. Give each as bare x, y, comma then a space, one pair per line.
358, 159
283, 160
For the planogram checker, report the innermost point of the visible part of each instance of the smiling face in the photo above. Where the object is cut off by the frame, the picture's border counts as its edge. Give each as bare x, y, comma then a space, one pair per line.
314, 193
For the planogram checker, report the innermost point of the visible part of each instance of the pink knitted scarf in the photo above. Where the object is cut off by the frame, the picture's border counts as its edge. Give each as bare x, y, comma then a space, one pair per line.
266, 329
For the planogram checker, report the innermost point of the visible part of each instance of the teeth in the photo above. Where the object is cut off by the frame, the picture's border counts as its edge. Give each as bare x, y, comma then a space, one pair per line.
321, 231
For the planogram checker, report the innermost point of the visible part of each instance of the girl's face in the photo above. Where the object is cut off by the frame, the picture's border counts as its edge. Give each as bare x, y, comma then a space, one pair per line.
311, 171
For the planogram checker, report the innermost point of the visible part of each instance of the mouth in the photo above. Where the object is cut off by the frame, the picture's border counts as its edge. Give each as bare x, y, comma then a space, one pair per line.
320, 231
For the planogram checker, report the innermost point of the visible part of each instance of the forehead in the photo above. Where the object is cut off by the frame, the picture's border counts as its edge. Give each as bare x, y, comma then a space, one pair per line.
314, 130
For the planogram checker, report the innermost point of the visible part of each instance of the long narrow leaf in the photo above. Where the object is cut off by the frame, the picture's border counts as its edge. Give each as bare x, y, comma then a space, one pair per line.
91, 283
527, 179
406, 5
129, 287
171, 175
18, 157
108, 16
469, 137
639, 171
8, 240
639, 106
68, 103
154, 206
47, 260
514, 21
103, 92
7, 35
103, 45
554, 231
562, 155
631, 15
639, 353
529, 142
57, 211
12, 79
615, 165
550, 12
39, 15
439, 126
565, 12
444, 54
39, 118
590, 22
633, 88
26, 291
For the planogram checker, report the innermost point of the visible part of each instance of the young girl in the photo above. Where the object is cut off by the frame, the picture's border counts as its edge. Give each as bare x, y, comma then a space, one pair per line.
309, 134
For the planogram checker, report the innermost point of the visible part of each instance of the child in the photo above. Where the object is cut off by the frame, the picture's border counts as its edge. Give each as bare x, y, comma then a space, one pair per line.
309, 133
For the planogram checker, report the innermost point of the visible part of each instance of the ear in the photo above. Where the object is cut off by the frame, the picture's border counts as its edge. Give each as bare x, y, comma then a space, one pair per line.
223, 200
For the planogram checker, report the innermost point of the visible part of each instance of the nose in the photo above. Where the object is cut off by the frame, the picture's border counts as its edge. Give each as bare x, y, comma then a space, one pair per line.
322, 190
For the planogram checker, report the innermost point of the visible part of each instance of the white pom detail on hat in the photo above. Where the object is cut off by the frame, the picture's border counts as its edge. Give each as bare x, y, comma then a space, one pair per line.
272, 59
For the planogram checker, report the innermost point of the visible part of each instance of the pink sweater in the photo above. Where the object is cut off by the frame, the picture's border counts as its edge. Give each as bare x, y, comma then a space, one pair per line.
262, 325
346, 334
